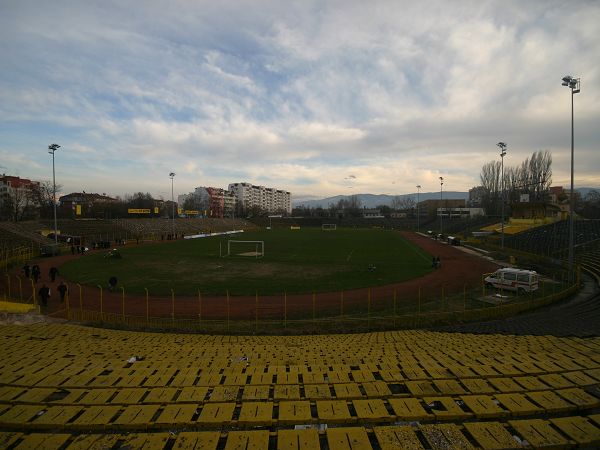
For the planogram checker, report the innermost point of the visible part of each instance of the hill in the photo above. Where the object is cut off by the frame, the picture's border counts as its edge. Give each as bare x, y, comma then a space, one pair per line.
373, 200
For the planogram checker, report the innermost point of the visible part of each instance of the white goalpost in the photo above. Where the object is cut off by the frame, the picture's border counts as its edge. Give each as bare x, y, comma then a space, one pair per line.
254, 249
328, 226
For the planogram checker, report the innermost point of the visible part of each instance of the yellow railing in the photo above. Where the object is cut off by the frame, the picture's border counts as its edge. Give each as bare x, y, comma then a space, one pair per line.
446, 310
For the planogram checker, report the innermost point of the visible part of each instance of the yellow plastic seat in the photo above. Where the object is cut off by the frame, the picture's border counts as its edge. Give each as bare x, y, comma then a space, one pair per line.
94, 441
540, 434
96, 417
307, 439
202, 440
409, 409
255, 392
294, 412
216, 414
224, 394
580, 429
372, 410
333, 411
491, 435
445, 436
136, 416
551, 402
397, 437
445, 408
348, 439
176, 415
347, 391
192, 394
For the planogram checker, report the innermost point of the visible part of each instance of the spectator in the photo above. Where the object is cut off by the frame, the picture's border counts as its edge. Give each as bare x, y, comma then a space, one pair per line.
44, 294
53, 272
62, 290
112, 283
26, 270
35, 272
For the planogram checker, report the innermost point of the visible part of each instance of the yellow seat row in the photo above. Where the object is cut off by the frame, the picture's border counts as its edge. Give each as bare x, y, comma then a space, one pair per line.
564, 432
139, 415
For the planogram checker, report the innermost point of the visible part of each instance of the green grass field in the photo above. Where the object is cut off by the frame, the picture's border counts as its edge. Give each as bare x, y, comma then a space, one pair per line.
295, 261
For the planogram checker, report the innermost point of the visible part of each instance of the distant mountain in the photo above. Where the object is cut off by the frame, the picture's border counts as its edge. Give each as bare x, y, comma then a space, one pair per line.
583, 191
373, 200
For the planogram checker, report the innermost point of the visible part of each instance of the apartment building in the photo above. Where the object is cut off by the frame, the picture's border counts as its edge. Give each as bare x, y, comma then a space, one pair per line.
268, 199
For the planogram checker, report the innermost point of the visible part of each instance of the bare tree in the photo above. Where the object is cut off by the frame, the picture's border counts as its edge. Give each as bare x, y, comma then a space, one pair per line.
533, 176
403, 202
43, 197
490, 180
195, 203
19, 204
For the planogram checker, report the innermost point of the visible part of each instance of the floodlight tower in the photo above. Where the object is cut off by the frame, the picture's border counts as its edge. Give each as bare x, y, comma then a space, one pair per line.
51, 149
502, 147
441, 208
418, 192
172, 175
574, 85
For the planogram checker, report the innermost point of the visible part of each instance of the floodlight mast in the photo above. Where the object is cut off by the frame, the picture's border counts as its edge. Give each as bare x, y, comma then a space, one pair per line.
418, 192
575, 86
172, 175
441, 203
502, 147
51, 149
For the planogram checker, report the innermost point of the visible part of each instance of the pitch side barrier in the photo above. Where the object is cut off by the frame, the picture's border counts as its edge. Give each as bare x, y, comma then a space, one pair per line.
219, 233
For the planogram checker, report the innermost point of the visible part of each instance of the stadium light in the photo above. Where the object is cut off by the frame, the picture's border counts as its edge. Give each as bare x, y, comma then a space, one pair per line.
502, 147
51, 149
172, 175
418, 192
441, 200
574, 85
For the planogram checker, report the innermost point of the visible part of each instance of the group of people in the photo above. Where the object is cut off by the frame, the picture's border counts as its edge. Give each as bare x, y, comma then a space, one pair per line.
80, 249
44, 292
436, 263
32, 272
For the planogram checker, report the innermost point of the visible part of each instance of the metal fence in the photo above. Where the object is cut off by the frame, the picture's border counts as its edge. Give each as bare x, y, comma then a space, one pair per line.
371, 310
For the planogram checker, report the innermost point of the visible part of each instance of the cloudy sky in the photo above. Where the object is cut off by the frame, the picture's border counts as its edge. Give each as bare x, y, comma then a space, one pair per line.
318, 98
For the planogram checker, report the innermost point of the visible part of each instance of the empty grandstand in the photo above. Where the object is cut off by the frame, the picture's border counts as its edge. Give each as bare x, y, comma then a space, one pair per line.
69, 387
553, 240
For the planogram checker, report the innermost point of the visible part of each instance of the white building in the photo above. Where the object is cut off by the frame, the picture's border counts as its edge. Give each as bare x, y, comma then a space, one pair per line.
268, 199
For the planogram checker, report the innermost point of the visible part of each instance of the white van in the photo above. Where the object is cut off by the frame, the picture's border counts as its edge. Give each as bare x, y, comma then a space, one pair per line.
513, 280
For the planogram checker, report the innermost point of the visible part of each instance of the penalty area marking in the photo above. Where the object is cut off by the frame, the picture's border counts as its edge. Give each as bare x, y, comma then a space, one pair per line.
349, 255
419, 251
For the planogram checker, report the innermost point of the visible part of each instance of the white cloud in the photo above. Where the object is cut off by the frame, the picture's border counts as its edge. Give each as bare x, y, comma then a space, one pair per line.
300, 95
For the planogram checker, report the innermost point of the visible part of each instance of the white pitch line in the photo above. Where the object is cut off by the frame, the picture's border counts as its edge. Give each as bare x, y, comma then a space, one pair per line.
349, 256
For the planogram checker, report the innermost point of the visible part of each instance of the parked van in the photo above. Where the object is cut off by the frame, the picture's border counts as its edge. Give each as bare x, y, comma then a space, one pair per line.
513, 280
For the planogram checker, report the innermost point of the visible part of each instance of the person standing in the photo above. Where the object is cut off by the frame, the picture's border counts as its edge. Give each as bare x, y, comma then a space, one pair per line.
53, 272
62, 290
112, 283
35, 272
26, 270
44, 294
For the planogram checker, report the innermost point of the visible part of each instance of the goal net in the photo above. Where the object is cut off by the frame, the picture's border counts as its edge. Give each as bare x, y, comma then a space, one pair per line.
254, 249
328, 226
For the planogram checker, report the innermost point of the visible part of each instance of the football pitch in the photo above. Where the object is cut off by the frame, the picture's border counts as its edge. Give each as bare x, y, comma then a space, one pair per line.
295, 261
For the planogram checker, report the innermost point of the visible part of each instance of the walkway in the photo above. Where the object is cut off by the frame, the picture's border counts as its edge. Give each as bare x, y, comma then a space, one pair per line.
578, 316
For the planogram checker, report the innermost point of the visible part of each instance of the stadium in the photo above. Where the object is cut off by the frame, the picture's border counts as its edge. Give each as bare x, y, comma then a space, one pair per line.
409, 358
299, 225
